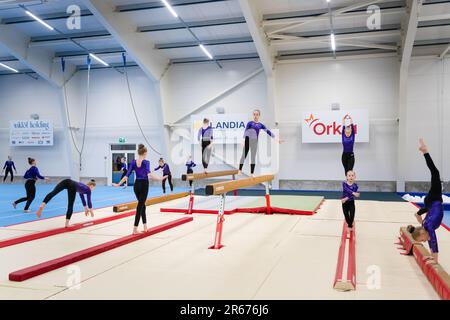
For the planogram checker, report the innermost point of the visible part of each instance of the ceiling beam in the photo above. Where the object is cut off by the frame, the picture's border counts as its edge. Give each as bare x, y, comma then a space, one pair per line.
39, 60
47, 17
62, 39
230, 57
192, 24
151, 5
253, 16
444, 53
338, 37
287, 17
142, 51
444, 16
335, 13
191, 44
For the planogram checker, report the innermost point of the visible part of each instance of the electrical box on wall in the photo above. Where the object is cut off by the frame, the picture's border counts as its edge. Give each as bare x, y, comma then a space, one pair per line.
335, 106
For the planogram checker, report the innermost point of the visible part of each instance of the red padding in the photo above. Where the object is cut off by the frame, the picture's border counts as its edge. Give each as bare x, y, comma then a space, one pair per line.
341, 255
52, 232
36, 270
351, 268
198, 211
439, 279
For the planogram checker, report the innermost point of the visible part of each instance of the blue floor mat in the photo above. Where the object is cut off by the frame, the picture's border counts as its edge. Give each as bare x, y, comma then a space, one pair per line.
101, 197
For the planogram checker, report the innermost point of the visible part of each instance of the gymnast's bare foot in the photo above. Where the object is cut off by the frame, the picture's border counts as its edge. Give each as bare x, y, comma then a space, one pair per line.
135, 231
27, 211
422, 147
145, 228
39, 212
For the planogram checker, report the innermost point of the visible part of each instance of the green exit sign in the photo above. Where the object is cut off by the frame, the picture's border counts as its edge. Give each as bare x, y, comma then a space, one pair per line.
122, 140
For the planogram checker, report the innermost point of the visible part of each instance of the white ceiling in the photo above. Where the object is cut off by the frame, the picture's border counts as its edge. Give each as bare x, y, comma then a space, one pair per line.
430, 39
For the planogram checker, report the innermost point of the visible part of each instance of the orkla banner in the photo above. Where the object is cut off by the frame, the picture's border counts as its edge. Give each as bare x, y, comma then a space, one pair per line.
326, 126
228, 128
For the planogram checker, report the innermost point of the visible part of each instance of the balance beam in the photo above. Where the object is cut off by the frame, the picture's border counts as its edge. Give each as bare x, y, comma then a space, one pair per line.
224, 187
155, 200
52, 232
438, 277
349, 283
36, 270
215, 174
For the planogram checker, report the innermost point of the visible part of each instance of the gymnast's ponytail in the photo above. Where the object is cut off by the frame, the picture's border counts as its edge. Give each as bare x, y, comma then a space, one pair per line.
416, 232
30, 161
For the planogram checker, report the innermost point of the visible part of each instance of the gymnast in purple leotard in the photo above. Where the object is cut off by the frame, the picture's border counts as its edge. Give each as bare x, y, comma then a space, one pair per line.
433, 209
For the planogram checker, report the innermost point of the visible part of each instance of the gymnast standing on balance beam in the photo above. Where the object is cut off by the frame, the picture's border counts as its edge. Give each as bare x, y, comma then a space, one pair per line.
72, 188
9, 166
433, 209
31, 177
206, 137
348, 141
141, 167
349, 193
251, 135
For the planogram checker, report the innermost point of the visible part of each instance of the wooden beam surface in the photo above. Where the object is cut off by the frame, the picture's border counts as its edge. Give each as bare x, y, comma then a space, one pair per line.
227, 186
200, 176
155, 200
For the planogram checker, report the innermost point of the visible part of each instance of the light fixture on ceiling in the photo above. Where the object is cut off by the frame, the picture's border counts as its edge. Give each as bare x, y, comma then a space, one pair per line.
170, 8
45, 24
8, 68
98, 59
206, 51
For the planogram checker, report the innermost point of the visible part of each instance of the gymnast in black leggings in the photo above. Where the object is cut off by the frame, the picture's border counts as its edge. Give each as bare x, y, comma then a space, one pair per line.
31, 177
72, 188
141, 167
348, 141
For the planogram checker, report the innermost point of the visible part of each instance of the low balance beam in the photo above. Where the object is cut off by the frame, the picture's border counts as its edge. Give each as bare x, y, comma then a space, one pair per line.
53, 232
36, 270
349, 283
438, 277
215, 174
151, 201
224, 187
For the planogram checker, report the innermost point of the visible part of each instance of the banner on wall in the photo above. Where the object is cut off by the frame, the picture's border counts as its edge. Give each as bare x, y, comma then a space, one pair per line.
326, 126
228, 128
25, 133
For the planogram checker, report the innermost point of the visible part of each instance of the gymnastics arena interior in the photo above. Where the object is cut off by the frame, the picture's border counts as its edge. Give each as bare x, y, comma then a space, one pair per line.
342, 94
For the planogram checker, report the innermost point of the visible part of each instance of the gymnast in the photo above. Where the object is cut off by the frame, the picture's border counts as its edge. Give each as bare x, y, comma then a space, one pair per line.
166, 173
141, 167
349, 193
206, 137
72, 188
251, 135
9, 166
433, 209
31, 176
189, 168
348, 141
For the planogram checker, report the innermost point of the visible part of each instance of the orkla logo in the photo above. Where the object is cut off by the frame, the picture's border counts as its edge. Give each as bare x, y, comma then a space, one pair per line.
320, 128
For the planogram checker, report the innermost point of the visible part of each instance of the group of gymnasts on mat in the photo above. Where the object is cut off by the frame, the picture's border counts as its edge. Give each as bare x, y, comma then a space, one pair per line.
250, 143
433, 208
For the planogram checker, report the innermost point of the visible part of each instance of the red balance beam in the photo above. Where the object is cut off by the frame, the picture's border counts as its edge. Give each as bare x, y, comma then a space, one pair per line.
438, 277
52, 232
350, 283
36, 270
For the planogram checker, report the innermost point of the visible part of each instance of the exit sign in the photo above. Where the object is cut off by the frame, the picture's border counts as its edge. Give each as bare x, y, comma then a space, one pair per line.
122, 140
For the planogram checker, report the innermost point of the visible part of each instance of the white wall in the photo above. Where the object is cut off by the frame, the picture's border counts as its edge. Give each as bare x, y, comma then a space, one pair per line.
110, 115
358, 84
428, 116
21, 96
364, 83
